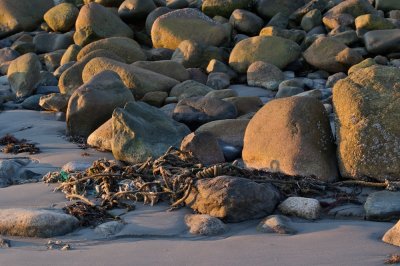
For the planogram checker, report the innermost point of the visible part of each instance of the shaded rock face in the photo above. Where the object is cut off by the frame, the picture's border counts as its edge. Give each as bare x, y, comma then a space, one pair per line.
268, 8
223, 8
233, 199
174, 27
367, 125
274, 50
22, 15
35, 223
94, 102
383, 206
141, 131
293, 136
96, 22
24, 74
62, 17
382, 41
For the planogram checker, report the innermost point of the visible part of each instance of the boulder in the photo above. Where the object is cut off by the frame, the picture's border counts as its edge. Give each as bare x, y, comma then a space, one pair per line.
223, 8
269, 8
107, 3
123, 47
383, 206
382, 41
373, 22
311, 20
170, 29
101, 137
93, 103
246, 22
368, 134
139, 80
197, 111
24, 74
96, 22
189, 88
233, 199
205, 225
218, 80
293, 136
141, 131
167, 68
387, 5
155, 98
55, 102
70, 55
22, 15
245, 105
392, 236
274, 50
36, 223
7, 54
276, 224
263, 74
306, 208
50, 42
62, 17
153, 15
292, 34
134, 10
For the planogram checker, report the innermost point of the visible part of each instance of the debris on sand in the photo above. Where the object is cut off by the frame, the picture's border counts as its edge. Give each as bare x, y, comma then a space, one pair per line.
15, 146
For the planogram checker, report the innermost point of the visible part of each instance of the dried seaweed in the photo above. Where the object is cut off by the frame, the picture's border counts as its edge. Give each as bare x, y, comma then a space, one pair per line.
15, 146
88, 215
80, 141
393, 259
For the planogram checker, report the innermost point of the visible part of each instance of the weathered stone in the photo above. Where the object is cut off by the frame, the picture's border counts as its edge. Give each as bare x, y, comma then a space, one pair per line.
7, 54
167, 68
71, 54
363, 64
245, 105
274, 50
312, 19
382, 41
269, 8
62, 17
383, 206
96, 22
155, 98
292, 34
387, 5
109, 228
50, 42
170, 29
153, 15
306, 208
189, 88
246, 22
392, 236
233, 199
134, 10
56, 102
288, 91
24, 74
223, 8
139, 80
293, 136
221, 94
263, 74
373, 22
276, 224
101, 137
368, 137
35, 223
141, 131
218, 80
93, 103
206, 225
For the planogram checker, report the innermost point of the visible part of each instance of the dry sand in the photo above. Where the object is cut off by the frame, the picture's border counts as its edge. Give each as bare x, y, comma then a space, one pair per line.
153, 236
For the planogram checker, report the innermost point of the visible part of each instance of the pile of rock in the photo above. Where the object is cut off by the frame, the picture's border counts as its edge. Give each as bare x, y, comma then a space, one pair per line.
304, 87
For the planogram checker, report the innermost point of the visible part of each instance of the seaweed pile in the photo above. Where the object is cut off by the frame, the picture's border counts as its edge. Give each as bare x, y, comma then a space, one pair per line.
15, 146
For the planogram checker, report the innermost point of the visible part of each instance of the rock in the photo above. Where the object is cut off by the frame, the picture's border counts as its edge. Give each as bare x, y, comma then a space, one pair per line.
193, 54
333, 79
107, 3
55, 102
62, 17
292, 34
127, 49
223, 8
35, 223
368, 139
363, 64
203, 146
311, 20
32, 102
349, 57
93, 103
109, 228
392, 235
167, 68
221, 94
139, 80
245, 105
373, 22
23, 15
288, 91
348, 211
306, 208
52, 60
217, 66
50, 42
232, 199
177, 4
387, 5
96, 22
101, 137
7, 54
24, 74
263, 74
71, 54
269, 8
170, 29
141, 131
383, 206
153, 15
246, 22
75, 166
243, 90
205, 225
134, 10
189, 88
276, 224
382, 41
322, 55
155, 98
9, 170
274, 50
218, 80
293, 136
197, 111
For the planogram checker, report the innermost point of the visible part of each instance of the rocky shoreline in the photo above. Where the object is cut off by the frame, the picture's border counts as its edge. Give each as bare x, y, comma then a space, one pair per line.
304, 91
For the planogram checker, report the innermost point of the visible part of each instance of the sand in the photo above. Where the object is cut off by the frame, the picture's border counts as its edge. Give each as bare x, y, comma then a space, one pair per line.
153, 236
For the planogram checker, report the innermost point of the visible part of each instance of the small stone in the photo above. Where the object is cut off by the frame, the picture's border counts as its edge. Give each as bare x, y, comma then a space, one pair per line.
206, 225
75, 166
276, 224
392, 236
383, 206
306, 208
108, 229
265, 75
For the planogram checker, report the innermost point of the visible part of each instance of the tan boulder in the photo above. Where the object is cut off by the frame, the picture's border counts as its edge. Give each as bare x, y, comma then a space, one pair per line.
167, 68
62, 17
292, 136
101, 137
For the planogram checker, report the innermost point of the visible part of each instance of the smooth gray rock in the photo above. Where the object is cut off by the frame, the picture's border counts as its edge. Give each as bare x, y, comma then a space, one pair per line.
306, 208
206, 225
383, 206
276, 224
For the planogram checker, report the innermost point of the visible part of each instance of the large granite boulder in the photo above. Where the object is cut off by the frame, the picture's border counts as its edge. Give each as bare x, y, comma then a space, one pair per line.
233, 199
274, 50
93, 103
139, 80
22, 15
24, 74
174, 27
141, 131
62, 17
293, 136
96, 22
36, 223
367, 125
